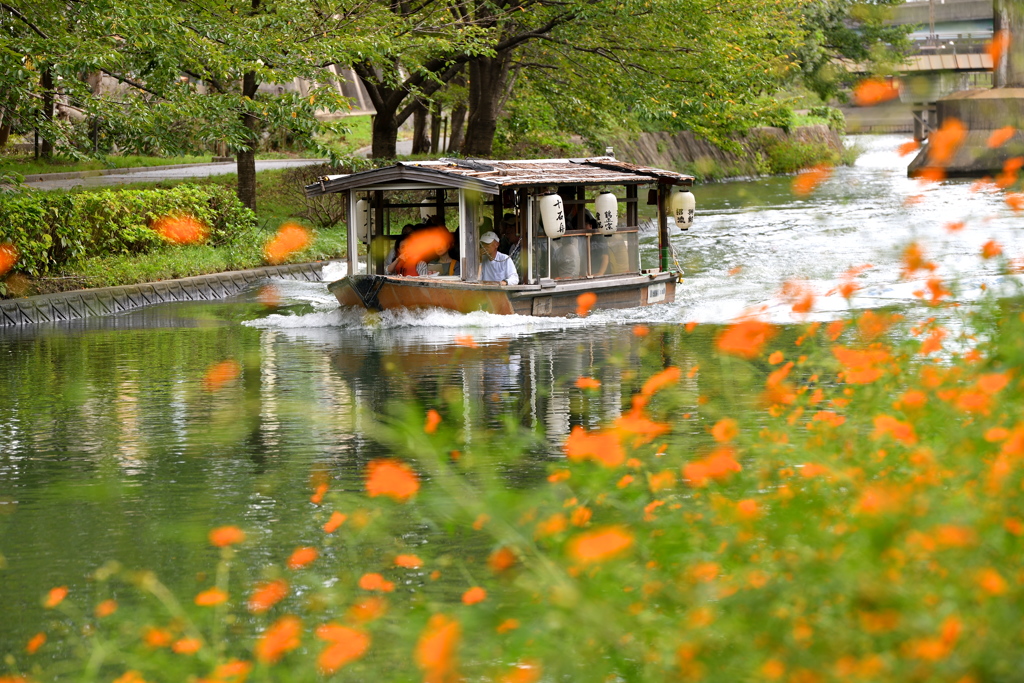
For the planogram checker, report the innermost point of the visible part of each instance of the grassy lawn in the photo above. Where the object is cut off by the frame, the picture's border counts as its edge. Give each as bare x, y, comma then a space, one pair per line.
26, 164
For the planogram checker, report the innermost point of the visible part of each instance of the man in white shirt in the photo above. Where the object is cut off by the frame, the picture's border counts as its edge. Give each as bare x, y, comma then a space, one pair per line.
495, 266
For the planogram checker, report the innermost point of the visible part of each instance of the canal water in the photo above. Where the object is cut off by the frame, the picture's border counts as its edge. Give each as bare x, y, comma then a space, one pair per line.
127, 439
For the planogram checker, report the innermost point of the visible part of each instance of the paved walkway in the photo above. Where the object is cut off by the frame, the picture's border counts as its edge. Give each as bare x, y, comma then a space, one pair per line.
121, 176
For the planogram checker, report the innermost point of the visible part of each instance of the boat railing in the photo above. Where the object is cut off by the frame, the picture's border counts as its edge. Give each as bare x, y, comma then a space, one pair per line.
587, 255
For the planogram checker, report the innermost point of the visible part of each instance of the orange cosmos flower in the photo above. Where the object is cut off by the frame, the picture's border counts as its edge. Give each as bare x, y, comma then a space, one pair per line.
432, 421
234, 671
1008, 176
523, 672
944, 142
8, 257
584, 302
908, 148
300, 557
955, 226
226, 535
219, 374
181, 229
860, 367
1000, 137
501, 560
346, 646
211, 597
745, 339
725, 430
635, 423
157, 637
319, 491
408, 561
375, 582
997, 48
187, 646
581, 516
55, 597
992, 582
601, 447
660, 380
474, 595
719, 465
1015, 201
391, 478
425, 245
267, 595
660, 481
336, 520
748, 509
937, 290
641, 330
436, 649
600, 545
130, 676
35, 642
283, 636
290, 238
808, 179
105, 609
587, 383
367, 609
931, 174
872, 91
507, 625
990, 249
900, 431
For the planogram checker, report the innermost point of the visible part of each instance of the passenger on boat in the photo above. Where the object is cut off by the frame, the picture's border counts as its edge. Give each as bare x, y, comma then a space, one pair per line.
422, 245
389, 260
495, 266
511, 243
572, 211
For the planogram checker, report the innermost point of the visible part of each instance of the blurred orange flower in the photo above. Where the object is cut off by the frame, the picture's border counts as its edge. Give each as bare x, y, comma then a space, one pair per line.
211, 597
187, 646
300, 557
105, 609
466, 340
391, 478
408, 561
887, 425
157, 637
8, 257
600, 545
660, 380
997, 47
908, 148
861, 367
718, 465
432, 421
219, 374
474, 595
745, 339
267, 595
335, 521
35, 642
368, 609
436, 650
55, 597
1000, 137
1008, 176
501, 560
991, 249
1015, 201
601, 447
725, 430
872, 91
290, 238
944, 142
375, 582
587, 383
992, 582
181, 229
346, 645
226, 535
641, 330
808, 179
584, 302
283, 636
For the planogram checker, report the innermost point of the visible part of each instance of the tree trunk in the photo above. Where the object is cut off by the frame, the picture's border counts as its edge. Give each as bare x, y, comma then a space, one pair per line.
246, 156
420, 141
46, 82
435, 127
1008, 17
458, 118
385, 135
5, 134
488, 77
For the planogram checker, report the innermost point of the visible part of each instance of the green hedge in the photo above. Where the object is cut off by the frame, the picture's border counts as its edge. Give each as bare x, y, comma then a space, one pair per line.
54, 230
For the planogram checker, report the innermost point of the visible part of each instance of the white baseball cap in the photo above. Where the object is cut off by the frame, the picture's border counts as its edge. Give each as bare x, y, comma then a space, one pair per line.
488, 237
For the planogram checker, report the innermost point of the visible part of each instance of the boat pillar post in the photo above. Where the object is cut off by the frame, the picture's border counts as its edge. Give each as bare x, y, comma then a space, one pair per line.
663, 245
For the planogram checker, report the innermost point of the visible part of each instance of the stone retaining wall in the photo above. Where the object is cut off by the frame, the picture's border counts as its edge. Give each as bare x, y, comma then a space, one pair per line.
85, 303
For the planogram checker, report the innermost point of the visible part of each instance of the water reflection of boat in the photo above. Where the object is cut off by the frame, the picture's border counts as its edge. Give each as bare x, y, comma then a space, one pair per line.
565, 249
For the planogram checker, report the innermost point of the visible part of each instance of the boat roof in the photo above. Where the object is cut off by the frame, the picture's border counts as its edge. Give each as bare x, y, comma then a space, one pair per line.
492, 176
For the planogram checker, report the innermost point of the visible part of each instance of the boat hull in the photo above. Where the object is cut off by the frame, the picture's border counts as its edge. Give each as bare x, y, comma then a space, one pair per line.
382, 292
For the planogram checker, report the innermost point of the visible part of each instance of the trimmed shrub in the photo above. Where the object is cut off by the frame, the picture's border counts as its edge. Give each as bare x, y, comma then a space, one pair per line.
53, 230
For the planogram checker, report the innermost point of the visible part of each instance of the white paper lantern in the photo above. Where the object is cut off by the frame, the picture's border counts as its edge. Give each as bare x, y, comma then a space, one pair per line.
362, 219
552, 215
607, 208
682, 205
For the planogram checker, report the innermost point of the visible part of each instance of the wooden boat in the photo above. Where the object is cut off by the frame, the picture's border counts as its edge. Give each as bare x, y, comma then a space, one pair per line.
565, 249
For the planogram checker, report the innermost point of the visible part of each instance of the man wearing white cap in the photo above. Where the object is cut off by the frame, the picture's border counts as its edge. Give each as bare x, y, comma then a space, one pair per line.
495, 266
